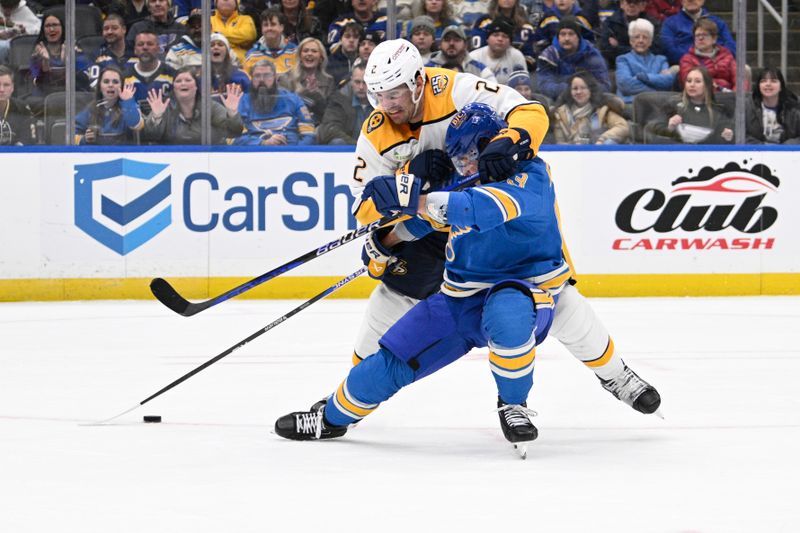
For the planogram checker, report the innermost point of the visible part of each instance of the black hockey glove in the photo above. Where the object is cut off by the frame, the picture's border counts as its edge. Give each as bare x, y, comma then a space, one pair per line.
433, 167
499, 159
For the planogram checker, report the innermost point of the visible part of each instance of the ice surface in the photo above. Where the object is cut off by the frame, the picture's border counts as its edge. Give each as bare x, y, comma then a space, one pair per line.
432, 458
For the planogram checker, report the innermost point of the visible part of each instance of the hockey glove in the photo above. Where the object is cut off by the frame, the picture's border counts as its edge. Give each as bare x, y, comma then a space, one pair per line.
499, 159
394, 194
374, 255
432, 166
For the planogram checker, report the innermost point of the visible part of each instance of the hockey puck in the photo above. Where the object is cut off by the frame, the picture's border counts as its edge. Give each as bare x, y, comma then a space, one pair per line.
152, 418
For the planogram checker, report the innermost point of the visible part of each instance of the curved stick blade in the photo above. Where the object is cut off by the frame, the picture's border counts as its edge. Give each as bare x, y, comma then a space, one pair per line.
167, 295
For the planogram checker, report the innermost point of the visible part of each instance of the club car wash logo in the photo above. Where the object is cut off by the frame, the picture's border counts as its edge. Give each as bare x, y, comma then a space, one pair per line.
704, 212
122, 204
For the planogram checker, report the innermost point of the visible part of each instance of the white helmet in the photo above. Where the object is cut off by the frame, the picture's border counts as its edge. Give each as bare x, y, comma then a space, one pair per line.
391, 64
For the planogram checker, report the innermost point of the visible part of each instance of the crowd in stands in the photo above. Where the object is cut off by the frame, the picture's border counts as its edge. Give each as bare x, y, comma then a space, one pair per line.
291, 72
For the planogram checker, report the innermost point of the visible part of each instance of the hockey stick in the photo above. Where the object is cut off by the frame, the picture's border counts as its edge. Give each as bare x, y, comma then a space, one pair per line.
167, 295
338, 285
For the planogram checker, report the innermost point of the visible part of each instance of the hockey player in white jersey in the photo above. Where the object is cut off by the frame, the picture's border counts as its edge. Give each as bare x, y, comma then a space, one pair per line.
406, 131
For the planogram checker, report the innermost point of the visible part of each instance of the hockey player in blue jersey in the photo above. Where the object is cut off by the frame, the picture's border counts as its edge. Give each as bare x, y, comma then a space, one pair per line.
504, 240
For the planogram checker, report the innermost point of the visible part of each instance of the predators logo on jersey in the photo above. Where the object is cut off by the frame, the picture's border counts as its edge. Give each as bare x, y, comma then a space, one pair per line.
439, 84
375, 122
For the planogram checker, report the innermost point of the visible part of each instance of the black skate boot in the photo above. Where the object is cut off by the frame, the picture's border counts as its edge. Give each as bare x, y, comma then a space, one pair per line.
629, 388
517, 427
307, 425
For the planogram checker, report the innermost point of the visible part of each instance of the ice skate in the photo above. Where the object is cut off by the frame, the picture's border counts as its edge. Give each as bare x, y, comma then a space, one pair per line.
629, 388
517, 427
307, 425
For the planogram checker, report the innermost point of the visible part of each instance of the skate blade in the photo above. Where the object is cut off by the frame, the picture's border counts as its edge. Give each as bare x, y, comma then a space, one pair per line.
522, 450
659, 414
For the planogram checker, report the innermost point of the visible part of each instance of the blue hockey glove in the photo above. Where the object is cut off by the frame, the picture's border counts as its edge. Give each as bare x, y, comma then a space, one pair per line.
499, 159
375, 256
432, 166
394, 194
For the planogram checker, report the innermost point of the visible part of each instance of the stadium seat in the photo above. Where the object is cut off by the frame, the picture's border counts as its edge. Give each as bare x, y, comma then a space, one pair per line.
19, 58
90, 44
647, 107
55, 115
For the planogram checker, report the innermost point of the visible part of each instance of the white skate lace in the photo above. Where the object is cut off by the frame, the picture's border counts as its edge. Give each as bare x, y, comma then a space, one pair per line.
517, 415
626, 387
310, 423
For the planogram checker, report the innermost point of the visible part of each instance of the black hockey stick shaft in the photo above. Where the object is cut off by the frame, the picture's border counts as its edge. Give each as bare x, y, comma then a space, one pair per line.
336, 286
167, 295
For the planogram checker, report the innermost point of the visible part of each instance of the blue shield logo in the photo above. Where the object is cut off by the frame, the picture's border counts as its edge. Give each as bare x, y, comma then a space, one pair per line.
122, 214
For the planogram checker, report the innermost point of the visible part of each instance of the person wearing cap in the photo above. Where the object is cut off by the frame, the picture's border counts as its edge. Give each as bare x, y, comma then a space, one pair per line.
223, 68
240, 30
498, 54
340, 62
186, 51
367, 44
272, 45
568, 54
366, 13
614, 40
520, 81
521, 37
547, 32
422, 34
161, 22
453, 55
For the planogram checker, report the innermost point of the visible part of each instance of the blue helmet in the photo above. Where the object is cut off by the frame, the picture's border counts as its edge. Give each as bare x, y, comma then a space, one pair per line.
469, 132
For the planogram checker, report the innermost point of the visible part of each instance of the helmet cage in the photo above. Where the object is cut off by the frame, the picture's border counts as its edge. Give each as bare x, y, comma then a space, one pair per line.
470, 130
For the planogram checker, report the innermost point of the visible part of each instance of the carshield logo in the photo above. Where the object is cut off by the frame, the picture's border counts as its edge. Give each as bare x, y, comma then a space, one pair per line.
121, 226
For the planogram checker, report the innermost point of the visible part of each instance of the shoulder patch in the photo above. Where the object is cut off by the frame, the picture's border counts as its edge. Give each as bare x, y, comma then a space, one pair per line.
375, 122
439, 83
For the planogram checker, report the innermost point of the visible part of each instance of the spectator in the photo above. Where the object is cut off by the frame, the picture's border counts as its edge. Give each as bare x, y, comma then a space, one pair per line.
176, 119
16, 18
346, 112
659, 10
498, 54
240, 30
587, 116
520, 81
223, 68
469, 11
423, 36
113, 51
308, 78
113, 116
16, 119
135, 11
329, 10
639, 70
148, 73
568, 54
774, 115
186, 51
548, 29
364, 12
273, 116
300, 23
696, 118
272, 46
340, 63
677, 32
522, 36
181, 9
440, 12
615, 40
717, 60
453, 55
368, 43
47, 67
160, 22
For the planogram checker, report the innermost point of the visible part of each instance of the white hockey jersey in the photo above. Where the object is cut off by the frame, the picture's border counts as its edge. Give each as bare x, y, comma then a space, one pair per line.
384, 147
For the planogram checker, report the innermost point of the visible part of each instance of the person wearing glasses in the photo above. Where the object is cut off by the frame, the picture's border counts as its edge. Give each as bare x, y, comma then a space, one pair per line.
706, 53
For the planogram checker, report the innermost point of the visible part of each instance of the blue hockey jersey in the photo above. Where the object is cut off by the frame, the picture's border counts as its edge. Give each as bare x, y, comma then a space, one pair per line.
289, 117
505, 230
